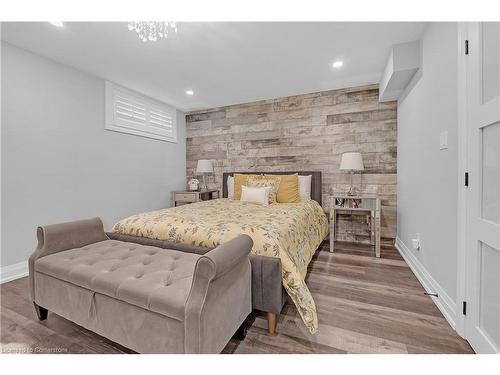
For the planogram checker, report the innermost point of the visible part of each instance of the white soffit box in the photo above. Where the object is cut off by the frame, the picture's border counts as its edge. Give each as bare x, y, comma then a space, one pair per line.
403, 63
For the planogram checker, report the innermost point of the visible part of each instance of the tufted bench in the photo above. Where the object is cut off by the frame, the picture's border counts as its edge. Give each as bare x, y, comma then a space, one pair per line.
149, 299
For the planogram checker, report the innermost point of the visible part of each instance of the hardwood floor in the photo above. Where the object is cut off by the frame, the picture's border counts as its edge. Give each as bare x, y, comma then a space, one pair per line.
365, 305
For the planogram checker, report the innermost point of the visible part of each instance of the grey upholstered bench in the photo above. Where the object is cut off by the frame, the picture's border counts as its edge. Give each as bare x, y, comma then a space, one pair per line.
145, 298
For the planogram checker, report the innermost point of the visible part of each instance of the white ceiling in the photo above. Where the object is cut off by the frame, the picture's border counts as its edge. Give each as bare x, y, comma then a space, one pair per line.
224, 63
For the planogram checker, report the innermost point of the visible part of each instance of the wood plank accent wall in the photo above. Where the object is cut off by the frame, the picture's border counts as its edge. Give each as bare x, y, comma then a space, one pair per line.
306, 132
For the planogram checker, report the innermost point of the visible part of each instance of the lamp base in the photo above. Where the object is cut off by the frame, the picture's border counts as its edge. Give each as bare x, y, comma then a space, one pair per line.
204, 187
352, 190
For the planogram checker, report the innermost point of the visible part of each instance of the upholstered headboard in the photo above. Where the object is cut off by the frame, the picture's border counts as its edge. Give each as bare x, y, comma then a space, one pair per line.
315, 182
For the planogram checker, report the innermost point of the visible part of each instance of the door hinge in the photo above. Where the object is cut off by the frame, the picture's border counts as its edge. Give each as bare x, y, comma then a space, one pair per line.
466, 47
464, 308
466, 179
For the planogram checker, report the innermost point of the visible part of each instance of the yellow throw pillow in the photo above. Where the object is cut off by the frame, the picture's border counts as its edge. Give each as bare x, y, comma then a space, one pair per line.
273, 183
288, 191
239, 180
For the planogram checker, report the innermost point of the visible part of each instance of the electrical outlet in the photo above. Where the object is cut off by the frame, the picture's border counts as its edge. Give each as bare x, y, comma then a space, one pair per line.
443, 140
416, 242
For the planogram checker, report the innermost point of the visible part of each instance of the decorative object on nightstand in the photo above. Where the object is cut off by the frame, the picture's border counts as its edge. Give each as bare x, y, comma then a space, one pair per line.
351, 161
184, 197
193, 184
365, 205
204, 167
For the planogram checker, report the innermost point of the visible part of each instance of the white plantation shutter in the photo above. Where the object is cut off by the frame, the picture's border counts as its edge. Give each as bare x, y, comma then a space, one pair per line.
161, 120
129, 110
132, 113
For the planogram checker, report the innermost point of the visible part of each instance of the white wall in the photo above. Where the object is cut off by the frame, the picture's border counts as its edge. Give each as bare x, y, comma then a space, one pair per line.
58, 162
428, 177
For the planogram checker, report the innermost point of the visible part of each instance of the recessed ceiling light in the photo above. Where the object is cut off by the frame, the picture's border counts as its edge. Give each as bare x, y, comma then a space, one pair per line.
57, 23
190, 92
337, 64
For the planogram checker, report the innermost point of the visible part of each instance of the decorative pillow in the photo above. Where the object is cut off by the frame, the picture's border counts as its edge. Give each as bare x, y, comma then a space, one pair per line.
305, 187
258, 195
230, 187
288, 190
240, 180
273, 183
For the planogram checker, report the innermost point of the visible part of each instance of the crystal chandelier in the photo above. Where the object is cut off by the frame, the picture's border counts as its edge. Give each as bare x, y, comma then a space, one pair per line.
152, 31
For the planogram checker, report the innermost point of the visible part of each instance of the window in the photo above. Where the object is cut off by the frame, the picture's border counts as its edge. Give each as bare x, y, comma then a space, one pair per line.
133, 113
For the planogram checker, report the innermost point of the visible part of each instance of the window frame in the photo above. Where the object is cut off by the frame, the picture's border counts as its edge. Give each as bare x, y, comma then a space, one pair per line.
111, 123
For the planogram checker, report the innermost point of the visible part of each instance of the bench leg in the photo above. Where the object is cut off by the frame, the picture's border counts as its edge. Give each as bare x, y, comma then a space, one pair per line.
41, 312
271, 323
241, 333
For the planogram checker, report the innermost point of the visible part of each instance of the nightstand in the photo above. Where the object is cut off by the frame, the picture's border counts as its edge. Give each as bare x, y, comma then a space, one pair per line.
368, 205
184, 197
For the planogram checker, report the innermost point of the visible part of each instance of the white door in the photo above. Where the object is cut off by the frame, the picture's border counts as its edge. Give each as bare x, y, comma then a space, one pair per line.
482, 321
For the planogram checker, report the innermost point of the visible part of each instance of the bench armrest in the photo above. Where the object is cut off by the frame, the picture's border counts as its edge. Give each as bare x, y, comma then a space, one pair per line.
227, 255
59, 237
215, 273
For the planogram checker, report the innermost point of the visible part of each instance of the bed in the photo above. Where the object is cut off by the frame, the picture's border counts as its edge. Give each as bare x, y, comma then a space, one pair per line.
285, 236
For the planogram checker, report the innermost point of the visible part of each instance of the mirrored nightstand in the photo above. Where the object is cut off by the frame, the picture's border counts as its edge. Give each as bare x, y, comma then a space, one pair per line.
360, 204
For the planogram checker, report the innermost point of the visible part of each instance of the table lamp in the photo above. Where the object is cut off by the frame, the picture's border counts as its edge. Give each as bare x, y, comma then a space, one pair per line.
204, 167
351, 161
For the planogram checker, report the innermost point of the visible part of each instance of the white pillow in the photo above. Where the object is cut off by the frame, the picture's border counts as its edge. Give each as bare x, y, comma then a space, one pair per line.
258, 195
230, 187
305, 187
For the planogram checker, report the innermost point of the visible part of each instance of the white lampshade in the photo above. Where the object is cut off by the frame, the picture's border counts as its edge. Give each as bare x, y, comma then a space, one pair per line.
352, 161
205, 166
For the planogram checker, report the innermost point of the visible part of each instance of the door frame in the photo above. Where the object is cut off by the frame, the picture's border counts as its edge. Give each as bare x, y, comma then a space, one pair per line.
462, 203
464, 196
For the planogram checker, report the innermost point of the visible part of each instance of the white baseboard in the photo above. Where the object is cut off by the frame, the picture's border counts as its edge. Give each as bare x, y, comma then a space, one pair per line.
14, 271
444, 303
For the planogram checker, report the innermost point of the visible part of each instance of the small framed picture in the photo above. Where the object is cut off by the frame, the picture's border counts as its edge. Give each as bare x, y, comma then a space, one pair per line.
354, 203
